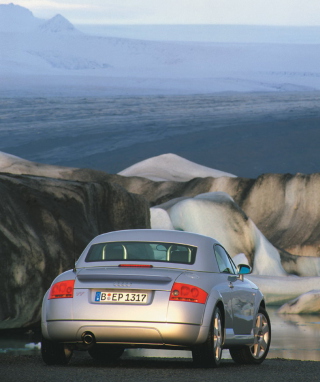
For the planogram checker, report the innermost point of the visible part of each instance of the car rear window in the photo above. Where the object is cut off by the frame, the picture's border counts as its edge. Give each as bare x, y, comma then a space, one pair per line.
142, 251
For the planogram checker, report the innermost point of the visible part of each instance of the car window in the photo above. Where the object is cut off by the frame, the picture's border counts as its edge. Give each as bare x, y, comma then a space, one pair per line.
225, 264
142, 251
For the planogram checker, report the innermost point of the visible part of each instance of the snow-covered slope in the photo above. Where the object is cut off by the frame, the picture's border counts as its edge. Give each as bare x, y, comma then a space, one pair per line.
58, 24
14, 18
55, 57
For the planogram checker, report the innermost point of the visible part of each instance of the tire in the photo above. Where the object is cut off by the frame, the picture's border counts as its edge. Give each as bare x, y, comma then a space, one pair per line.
256, 353
106, 353
55, 353
209, 353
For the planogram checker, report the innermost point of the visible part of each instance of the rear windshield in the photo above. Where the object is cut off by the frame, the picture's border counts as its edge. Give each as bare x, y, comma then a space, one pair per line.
140, 251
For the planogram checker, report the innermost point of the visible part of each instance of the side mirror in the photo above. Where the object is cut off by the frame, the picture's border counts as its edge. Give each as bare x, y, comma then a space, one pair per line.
243, 269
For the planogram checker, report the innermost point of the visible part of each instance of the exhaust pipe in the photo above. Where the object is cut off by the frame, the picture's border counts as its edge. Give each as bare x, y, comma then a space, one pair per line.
87, 338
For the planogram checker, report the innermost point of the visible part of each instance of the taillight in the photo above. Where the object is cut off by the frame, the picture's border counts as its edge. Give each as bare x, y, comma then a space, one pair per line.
189, 293
62, 289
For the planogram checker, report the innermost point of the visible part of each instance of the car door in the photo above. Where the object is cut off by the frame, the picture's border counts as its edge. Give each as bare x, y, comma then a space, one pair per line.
242, 297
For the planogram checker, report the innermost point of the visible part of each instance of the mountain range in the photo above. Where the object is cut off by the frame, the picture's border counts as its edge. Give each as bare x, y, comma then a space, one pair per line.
53, 57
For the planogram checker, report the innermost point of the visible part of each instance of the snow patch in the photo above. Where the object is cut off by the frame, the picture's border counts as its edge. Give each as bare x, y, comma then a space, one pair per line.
304, 304
171, 167
240, 258
160, 219
278, 290
215, 214
15, 165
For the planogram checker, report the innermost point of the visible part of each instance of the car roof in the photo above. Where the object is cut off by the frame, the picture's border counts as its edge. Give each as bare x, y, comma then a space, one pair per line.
157, 235
203, 243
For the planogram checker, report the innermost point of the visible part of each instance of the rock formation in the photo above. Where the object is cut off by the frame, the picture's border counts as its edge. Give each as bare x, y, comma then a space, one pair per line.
50, 213
284, 207
45, 224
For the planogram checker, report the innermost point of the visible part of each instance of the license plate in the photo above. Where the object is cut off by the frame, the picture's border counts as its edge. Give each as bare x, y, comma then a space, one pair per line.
124, 297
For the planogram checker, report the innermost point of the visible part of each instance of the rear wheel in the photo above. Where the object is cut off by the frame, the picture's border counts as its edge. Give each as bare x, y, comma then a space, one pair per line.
55, 353
106, 353
209, 353
256, 353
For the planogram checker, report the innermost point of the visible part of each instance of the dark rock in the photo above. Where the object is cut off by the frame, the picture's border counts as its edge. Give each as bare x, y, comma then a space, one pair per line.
45, 224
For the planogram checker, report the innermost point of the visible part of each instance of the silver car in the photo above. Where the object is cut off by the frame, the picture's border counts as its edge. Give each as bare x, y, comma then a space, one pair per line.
155, 289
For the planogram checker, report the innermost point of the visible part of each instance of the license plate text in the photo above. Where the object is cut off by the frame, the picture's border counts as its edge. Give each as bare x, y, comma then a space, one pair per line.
129, 298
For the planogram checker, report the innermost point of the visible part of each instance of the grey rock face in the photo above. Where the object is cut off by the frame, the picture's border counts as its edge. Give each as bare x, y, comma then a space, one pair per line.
45, 224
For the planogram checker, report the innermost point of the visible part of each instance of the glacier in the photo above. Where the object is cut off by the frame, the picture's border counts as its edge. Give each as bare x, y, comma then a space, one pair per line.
53, 57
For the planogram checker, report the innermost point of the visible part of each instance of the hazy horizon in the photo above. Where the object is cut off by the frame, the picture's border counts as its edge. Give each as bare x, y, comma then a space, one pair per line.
207, 32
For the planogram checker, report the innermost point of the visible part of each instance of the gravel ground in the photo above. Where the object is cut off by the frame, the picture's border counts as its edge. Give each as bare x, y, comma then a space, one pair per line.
82, 368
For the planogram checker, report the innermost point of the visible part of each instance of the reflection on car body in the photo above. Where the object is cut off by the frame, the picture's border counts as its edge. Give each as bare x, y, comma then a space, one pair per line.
155, 289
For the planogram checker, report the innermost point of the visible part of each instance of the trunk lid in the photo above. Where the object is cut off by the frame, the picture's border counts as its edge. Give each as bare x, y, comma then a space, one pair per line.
144, 293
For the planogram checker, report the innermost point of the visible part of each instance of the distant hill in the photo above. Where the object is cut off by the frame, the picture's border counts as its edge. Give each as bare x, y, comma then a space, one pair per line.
57, 24
15, 18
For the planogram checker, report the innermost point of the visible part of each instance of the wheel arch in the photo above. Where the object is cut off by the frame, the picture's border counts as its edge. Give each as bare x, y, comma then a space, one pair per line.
262, 304
223, 316
44, 327
220, 305
214, 300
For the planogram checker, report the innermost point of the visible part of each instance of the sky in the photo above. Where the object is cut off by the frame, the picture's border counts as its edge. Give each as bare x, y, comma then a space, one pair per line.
239, 12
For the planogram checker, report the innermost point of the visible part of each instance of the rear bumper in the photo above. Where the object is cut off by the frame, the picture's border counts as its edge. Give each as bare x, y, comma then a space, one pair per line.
123, 332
